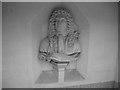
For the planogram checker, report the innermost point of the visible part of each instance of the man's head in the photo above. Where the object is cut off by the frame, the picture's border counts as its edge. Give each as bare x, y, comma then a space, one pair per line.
61, 22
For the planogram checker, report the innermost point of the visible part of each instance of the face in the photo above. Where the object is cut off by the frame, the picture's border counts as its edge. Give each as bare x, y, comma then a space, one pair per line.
62, 27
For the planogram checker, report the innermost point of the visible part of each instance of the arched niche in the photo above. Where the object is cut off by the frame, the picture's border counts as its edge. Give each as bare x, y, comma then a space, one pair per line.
39, 31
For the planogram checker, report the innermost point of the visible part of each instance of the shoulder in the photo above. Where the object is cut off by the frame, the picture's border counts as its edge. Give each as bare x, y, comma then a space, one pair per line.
44, 41
77, 43
77, 46
44, 44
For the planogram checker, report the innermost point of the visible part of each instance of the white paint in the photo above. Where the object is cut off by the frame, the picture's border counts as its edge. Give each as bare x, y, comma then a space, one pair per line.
20, 65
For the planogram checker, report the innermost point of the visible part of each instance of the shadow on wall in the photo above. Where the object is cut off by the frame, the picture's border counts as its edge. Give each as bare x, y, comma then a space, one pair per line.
39, 28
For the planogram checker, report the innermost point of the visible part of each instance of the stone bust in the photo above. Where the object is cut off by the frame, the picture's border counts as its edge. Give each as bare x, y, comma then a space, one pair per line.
62, 40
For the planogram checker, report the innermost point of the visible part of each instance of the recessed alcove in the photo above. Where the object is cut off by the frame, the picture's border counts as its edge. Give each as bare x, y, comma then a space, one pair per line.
43, 72
47, 77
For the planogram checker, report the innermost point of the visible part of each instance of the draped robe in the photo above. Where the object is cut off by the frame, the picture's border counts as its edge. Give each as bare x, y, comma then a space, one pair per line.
58, 46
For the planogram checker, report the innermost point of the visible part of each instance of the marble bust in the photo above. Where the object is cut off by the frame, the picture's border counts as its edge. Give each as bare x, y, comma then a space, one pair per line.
62, 40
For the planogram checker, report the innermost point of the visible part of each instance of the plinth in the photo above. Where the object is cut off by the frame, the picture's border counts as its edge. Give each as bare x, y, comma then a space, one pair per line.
59, 74
60, 66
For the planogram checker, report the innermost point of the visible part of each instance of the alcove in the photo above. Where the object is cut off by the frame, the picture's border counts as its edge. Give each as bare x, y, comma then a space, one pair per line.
39, 30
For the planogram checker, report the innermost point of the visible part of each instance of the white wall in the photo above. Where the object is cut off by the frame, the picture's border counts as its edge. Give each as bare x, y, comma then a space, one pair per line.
118, 67
103, 44
0, 45
18, 42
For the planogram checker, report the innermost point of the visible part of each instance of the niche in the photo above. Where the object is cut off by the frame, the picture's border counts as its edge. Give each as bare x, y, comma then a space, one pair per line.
39, 31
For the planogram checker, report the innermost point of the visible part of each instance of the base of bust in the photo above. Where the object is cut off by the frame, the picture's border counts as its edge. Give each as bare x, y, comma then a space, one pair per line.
59, 74
60, 67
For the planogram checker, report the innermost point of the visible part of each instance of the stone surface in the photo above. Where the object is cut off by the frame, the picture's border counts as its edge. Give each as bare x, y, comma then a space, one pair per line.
47, 77
73, 75
52, 77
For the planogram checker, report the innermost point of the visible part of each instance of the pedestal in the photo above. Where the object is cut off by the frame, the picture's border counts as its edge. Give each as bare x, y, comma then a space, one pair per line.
61, 75
61, 71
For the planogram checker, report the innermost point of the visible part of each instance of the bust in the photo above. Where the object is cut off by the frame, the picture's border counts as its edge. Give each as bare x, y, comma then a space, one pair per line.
61, 42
